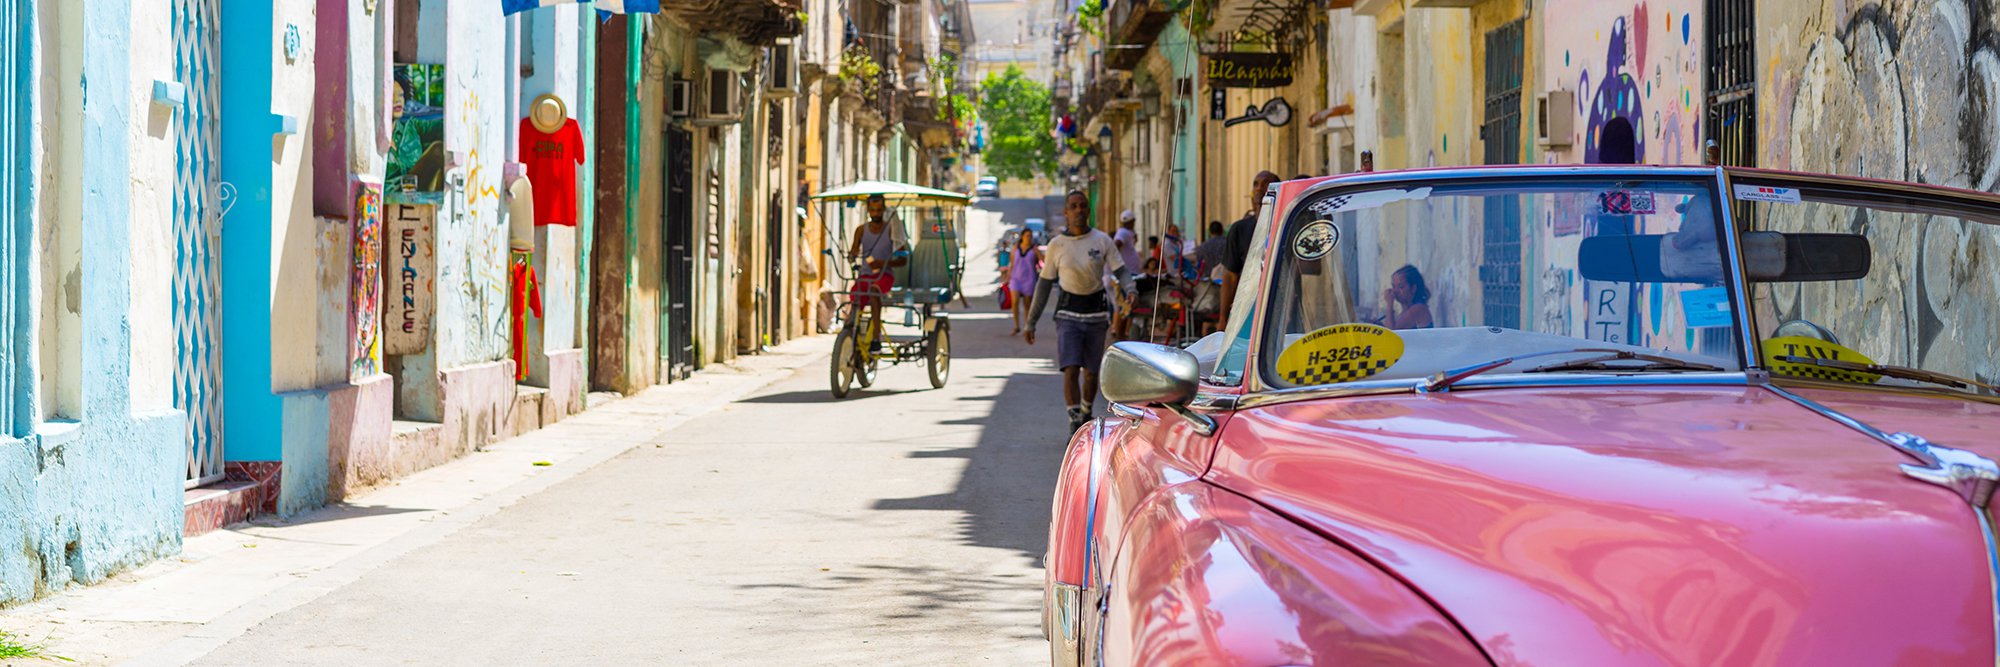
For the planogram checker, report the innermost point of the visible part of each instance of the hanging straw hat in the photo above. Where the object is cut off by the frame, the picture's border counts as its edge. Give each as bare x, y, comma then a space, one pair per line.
548, 113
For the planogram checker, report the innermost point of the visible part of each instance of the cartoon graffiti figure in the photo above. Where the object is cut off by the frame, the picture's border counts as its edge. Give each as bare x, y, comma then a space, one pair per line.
1614, 134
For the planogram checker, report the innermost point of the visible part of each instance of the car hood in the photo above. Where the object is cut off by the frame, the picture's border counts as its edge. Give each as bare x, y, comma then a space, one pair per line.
1650, 526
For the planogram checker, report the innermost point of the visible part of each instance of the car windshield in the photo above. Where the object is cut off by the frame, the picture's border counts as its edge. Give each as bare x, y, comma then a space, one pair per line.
1930, 300
1398, 283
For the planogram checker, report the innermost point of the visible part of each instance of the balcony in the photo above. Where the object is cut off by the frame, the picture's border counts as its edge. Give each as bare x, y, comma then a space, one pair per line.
1133, 26
753, 22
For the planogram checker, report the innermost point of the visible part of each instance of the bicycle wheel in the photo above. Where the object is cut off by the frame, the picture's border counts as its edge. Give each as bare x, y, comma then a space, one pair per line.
841, 371
939, 352
867, 361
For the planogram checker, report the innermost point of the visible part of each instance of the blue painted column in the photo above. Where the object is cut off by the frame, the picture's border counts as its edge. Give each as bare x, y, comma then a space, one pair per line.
253, 416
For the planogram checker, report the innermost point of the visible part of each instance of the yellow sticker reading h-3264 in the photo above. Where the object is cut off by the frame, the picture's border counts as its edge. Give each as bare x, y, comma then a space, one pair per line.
1340, 353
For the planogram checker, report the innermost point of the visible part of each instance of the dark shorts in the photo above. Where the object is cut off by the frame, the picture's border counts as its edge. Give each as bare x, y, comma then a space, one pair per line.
1080, 344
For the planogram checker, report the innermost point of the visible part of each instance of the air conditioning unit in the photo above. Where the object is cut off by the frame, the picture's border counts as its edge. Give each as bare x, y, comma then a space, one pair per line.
1555, 119
723, 102
782, 70
680, 98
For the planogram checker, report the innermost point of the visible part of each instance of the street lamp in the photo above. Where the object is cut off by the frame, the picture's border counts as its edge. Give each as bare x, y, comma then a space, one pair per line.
1104, 137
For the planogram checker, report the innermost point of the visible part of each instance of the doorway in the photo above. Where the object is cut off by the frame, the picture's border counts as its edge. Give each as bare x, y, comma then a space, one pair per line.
197, 236
1500, 274
677, 326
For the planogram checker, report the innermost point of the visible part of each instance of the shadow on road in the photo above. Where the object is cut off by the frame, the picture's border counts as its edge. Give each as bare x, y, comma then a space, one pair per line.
1010, 472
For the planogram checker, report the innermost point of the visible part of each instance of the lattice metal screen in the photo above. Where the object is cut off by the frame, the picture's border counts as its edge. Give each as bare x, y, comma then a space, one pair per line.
197, 237
1732, 108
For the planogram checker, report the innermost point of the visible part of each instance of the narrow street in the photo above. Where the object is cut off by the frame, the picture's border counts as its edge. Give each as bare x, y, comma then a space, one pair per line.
903, 525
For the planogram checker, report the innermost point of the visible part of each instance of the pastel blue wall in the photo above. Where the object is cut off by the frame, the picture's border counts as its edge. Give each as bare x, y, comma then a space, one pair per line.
253, 417
86, 499
1187, 144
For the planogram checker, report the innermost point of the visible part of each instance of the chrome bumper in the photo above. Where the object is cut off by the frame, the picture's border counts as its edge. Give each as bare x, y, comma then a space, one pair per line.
1062, 624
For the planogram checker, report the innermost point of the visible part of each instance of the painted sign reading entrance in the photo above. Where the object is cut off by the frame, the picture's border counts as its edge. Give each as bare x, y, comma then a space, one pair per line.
1250, 70
408, 278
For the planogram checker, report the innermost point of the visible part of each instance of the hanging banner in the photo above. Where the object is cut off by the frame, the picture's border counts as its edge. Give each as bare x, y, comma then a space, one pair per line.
409, 271
1250, 70
511, 7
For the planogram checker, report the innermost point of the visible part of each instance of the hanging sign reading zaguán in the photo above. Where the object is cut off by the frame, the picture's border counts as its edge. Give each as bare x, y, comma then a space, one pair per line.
1250, 70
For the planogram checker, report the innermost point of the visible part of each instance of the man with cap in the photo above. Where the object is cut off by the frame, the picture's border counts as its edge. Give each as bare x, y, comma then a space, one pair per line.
1237, 248
1127, 239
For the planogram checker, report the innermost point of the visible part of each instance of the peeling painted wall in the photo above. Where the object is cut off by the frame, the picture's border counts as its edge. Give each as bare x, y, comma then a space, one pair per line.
472, 307
81, 500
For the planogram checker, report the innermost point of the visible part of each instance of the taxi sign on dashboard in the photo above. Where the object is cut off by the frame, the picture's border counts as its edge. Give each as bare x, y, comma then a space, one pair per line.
1340, 353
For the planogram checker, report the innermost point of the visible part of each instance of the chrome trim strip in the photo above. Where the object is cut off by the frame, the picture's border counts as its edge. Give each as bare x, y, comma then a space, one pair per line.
1066, 635
1971, 476
1090, 504
1516, 381
1126, 411
1748, 350
1212, 401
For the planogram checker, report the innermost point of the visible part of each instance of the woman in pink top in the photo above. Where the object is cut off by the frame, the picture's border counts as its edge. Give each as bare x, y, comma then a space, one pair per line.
1026, 264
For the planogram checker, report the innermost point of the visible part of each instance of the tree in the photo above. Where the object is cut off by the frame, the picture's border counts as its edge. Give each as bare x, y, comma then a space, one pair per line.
1019, 142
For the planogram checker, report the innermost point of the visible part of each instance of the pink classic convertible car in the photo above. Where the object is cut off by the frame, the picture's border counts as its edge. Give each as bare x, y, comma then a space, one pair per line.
1558, 416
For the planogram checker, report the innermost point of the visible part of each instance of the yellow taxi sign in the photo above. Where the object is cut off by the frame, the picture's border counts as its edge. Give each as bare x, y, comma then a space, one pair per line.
1340, 353
1781, 355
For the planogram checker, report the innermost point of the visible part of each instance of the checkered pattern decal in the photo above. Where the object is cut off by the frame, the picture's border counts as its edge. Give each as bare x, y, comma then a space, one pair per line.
1805, 368
1335, 373
197, 237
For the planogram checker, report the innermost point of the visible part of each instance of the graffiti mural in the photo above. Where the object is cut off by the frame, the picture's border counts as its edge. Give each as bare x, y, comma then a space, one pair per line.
366, 285
1617, 114
416, 140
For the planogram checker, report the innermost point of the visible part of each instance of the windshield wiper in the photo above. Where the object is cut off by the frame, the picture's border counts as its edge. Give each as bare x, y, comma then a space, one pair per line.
1654, 362
1442, 381
1899, 372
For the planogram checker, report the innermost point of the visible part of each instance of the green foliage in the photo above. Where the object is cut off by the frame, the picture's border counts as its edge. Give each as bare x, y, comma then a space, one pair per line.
1019, 142
13, 648
1090, 18
859, 72
952, 106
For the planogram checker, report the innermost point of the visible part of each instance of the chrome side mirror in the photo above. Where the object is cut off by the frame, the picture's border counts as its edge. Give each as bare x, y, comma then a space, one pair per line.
1148, 375
1154, 376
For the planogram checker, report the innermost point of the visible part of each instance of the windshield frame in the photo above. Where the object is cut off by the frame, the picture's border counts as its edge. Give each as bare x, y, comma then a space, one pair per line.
1295, 213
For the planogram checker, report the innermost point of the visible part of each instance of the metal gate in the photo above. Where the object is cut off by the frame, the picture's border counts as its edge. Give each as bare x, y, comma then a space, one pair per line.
774, 280
1732, 110
1500, 274
678, 273
197, 237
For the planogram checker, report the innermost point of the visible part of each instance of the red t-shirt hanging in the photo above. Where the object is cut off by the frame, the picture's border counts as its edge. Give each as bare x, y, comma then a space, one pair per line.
552, 159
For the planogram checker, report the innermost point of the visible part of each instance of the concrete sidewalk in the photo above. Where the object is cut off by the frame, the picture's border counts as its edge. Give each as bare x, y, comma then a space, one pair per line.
176, 610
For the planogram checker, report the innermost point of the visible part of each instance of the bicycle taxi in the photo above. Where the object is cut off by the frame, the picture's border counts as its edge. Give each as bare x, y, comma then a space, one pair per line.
915, 327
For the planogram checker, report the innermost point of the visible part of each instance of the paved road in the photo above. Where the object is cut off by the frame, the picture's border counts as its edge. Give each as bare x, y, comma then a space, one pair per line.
902, 526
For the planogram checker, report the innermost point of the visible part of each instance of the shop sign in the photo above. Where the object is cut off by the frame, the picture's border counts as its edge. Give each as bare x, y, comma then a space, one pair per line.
1250, 70
408, 278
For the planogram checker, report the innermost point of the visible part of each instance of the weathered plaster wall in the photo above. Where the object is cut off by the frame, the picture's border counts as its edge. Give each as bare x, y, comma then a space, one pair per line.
152, 141
472, 307
299, 311
1444, 109
1641, 61
84, 500
57, 278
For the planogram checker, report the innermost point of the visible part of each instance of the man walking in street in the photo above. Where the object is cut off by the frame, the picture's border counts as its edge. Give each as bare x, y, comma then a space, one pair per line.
1237, 248
1074, 269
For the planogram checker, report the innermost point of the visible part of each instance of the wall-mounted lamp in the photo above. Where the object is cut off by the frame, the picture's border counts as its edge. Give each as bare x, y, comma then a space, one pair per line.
1104, 137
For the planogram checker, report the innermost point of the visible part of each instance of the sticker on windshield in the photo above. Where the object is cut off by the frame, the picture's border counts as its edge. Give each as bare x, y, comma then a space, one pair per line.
1706, 307
1315, 240
1365, 200
1795, 355
1626, 202
1768, 194
1340, 353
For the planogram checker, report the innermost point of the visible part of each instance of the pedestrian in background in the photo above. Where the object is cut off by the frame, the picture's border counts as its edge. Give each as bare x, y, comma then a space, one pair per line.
1073, 268
1237, 252
1209, 254
1026, 260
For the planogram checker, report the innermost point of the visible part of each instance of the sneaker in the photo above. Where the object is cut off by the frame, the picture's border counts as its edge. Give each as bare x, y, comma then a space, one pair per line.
1078, 417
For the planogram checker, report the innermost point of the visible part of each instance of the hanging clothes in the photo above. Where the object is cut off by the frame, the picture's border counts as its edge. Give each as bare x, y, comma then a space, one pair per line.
526, 295
552, 159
